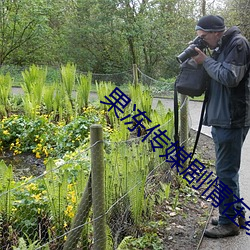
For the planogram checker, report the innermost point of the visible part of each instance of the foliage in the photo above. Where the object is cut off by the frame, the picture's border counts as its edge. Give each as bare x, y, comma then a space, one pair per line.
68, 74
139, 92
107, 36
5, 89
22, 245
103, 90
51, 200
83, 91
128, 164
22, 23
147, 241
6, 184
43, 207
43, 137
34, 81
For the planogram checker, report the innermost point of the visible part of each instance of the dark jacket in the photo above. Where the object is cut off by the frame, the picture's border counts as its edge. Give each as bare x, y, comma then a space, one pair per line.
229, 91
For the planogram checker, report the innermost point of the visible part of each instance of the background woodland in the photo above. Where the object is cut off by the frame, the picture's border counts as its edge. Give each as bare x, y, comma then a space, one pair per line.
107, 36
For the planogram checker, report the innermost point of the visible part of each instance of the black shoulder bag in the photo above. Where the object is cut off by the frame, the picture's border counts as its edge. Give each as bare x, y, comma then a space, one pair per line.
191, 81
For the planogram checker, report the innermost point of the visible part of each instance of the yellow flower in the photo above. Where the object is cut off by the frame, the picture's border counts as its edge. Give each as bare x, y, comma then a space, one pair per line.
6, 132
14, 209
69, 211
37, 196
73, 199
31, 186
38, 156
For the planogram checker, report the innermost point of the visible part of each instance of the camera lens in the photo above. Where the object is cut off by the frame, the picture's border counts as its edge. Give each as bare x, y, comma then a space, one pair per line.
187, 53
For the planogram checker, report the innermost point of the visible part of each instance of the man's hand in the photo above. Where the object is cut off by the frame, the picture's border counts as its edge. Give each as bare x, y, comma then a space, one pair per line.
200, 58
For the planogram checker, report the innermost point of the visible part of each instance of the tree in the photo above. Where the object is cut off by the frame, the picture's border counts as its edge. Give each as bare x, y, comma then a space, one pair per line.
237, 13
21, 21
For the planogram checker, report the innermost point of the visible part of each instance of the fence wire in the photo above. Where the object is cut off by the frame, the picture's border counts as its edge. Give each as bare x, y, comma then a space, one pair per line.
39, 213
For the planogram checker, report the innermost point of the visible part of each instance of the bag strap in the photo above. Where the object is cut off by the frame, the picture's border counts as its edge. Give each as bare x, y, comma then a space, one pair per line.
176, 122
176, 114
200, 125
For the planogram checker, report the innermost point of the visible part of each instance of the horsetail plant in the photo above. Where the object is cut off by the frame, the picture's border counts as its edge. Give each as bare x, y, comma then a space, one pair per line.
33, 85
5, 89
143, 97
56, 184
104, 89
83, 90
6, 184
48, 98
68, 74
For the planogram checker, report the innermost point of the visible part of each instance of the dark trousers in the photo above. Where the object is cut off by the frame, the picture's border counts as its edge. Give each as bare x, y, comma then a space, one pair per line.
228, 145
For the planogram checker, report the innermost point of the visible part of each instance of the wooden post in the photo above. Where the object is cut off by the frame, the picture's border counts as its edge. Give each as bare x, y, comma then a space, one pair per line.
98, 196
80, 218
135, 74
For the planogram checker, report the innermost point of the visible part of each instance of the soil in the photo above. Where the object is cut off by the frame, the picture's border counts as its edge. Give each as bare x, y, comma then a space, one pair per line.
186, 226
25, 164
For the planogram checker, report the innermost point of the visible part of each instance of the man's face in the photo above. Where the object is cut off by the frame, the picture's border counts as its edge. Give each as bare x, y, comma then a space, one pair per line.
211, 38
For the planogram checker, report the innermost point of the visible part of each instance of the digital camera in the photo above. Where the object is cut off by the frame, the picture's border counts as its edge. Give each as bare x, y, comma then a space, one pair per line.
190, 51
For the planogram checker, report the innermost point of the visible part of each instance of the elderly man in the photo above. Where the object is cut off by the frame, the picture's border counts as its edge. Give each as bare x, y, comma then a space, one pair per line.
228, 112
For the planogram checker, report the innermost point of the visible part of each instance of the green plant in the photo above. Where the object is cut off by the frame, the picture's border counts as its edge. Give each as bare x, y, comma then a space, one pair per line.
34, 81
6, 184
30, 207
104, 89
163, 117
126, 173
5, 90
165, 189
147, 241
44, 137
83, 91
176, 199
142, 96
48, 98
68, 74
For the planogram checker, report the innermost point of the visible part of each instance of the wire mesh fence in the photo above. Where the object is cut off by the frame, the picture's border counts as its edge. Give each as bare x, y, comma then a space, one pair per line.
55, 209
46, 211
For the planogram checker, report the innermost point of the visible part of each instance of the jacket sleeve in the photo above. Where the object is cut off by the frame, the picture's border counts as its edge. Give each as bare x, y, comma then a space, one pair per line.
232, 69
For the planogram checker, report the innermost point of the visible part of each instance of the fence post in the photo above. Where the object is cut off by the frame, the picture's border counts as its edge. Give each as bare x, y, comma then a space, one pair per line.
80, 218
135, 74
98, 196
184, 128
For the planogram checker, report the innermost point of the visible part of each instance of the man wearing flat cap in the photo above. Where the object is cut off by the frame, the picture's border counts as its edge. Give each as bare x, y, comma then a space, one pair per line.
228, 112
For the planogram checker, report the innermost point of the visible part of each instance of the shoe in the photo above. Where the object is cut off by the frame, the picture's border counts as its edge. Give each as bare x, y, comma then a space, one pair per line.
241, 221
221, 231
